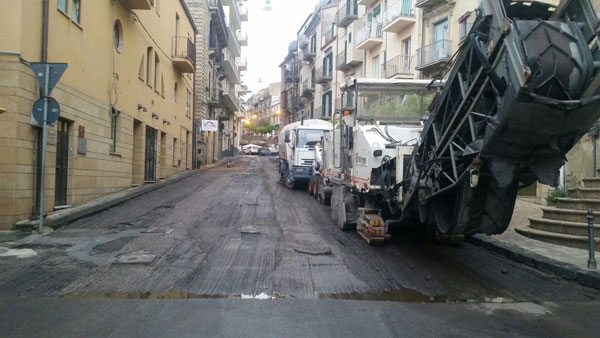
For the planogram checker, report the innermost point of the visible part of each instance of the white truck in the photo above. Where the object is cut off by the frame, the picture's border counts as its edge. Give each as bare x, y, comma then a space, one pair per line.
296, 150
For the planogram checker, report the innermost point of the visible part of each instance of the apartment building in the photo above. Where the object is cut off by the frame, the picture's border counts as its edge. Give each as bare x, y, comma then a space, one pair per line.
318, 76
260, 104
219, 81
126, 99
290, 85
343, 39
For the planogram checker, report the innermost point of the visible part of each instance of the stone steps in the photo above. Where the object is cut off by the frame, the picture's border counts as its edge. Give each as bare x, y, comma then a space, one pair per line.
566, 222
591, 182
585, 193
562, 227
568, 215
578, 203
573, 241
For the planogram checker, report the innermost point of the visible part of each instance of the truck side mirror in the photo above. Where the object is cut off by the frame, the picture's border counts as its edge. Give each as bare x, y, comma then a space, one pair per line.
287, 136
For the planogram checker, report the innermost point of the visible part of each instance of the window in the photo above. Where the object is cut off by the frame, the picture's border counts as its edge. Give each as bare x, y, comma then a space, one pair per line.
148, 64
313, 44
312, 78
462, 29
326, 104
328, 65
156, 71
176, 24
312, 109
162, 86
350, 37
188, 103
176, 93
376, 67
118, 36
114, 114
141, 70
76, 12
62, 5
157, 5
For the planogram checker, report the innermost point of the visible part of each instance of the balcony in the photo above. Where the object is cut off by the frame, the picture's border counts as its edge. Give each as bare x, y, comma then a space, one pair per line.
303, 41
347, 14
234, 13
346, 61
231, 71
401, 65
327, 36
309, 56
434, 54
318, 113
399, 17
242, 64
308, 88
428, 3
366, 2
243, 12
234, 44
323, 76
137, 4
215, 98
218, 27
184, 54
370, 36
230, 99
242, 38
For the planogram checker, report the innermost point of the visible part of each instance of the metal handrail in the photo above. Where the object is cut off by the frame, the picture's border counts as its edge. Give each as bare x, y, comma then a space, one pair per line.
402, 8
436, 51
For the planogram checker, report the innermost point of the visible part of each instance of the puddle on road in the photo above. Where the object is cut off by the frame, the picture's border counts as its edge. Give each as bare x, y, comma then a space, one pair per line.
406, 295
402, 295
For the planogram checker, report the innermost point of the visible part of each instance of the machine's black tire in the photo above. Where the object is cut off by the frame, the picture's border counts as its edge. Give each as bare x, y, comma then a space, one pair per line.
499, 207
289, 182
310, 186
316, 187
487, 208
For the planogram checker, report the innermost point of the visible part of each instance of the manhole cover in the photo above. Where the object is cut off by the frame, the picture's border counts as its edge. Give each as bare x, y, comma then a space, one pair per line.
157, 231
136, 259
313, 249
250, 230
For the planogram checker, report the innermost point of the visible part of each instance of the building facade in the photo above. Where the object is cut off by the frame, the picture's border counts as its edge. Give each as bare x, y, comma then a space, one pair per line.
126, 99
219, 81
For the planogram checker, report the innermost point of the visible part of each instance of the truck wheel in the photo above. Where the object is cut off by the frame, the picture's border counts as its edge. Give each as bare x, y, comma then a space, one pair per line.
310, 186
289, 182
316, 189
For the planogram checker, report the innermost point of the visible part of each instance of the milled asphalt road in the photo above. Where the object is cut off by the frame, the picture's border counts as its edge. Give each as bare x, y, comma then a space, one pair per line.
192, 236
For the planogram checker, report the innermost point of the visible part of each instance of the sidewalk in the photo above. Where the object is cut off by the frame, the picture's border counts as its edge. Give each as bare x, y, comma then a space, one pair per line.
569, 263
58, 218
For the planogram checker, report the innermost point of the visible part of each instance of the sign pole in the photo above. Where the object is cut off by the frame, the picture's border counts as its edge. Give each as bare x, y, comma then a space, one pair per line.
43, 149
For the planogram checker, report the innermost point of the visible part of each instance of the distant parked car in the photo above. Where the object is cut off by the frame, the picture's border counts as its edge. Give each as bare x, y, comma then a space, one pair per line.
264, 152
274, 151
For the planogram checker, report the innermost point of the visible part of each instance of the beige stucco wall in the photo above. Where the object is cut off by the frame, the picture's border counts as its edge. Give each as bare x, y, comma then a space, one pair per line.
97, 78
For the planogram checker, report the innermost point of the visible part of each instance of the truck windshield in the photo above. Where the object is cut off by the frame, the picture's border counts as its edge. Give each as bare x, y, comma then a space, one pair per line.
389, 104
308, 138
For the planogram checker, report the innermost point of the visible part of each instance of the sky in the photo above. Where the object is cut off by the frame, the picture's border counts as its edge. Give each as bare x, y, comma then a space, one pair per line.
269, 35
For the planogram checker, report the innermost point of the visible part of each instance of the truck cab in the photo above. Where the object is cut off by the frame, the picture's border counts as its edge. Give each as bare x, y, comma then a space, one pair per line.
296, 150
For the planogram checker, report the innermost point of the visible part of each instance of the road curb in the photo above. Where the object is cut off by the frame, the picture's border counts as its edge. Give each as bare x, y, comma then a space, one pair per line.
520, 255
60, 218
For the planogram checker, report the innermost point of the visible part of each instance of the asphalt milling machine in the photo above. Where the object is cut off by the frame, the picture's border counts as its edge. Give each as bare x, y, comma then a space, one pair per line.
451, 154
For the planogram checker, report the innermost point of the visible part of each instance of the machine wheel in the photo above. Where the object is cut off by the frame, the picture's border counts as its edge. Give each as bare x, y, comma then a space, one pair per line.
316, 189
289, 182
311, 185
486, 208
